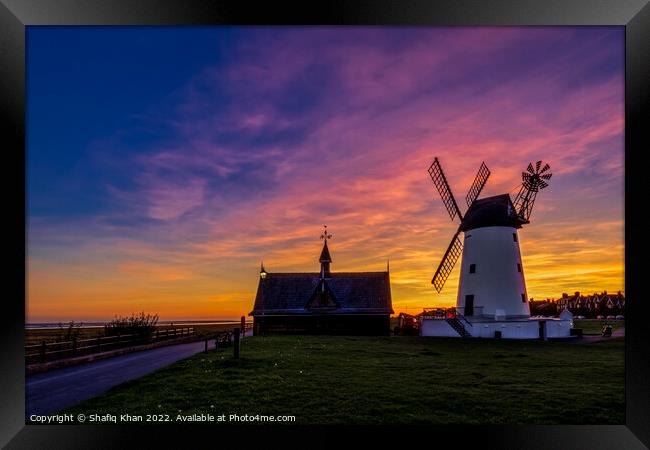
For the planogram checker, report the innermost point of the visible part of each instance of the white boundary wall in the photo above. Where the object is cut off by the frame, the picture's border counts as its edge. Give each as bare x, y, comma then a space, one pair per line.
519, 329
514, 330
437, 327
558, 328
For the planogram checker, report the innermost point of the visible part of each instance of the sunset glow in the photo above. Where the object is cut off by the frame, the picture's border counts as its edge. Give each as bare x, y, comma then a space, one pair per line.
164, 164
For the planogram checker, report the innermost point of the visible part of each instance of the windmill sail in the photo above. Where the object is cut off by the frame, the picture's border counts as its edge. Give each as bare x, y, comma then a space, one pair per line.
448, 262
477, 186
438, 177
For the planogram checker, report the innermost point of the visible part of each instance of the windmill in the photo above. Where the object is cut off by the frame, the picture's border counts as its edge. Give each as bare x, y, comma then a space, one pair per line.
491, 282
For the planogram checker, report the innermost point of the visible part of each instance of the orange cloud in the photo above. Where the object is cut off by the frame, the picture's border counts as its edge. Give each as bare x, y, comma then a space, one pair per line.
255, 177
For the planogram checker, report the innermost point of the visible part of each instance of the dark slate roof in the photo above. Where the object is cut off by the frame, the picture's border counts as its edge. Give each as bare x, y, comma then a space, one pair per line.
325, 254
496, 211
355, 293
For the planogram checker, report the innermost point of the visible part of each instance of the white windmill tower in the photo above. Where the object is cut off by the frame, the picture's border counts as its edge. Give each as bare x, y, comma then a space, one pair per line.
492, 284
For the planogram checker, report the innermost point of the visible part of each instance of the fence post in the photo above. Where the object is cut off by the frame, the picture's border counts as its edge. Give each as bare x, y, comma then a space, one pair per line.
99, 343
74, 346
43, 347
119, 335
216, 342
236, 347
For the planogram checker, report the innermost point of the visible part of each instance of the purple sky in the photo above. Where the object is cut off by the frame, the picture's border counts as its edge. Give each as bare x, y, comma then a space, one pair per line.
166, 199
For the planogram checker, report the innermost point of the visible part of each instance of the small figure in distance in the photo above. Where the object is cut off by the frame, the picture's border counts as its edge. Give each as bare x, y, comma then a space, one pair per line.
607, 330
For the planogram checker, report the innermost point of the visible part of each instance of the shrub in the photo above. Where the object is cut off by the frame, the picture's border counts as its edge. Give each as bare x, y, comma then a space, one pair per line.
69, 331
135, 324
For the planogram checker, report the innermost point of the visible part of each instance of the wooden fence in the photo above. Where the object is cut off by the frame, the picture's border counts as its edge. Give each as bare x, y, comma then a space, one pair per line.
50, 351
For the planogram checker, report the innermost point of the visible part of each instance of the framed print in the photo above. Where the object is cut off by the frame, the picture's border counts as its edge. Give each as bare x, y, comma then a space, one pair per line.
265, 223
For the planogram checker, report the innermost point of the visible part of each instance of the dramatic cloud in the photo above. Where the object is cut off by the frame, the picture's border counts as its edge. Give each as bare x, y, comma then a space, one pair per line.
292, 128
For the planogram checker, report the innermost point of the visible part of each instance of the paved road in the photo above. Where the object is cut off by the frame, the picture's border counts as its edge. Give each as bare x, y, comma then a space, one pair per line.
597, 338
52, 391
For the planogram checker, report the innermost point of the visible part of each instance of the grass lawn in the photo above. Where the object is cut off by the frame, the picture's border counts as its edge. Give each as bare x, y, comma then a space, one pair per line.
595, 326
323, 380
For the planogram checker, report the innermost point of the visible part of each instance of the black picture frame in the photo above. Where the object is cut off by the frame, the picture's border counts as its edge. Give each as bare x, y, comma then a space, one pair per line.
15, 15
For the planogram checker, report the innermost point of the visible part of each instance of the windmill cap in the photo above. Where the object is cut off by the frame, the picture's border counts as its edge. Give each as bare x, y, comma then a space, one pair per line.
496, 211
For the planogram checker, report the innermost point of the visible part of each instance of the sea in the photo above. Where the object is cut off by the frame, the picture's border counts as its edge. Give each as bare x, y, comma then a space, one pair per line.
50, 325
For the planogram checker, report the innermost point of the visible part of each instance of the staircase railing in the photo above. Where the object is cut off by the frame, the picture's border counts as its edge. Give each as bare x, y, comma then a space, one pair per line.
458, 326
464, 319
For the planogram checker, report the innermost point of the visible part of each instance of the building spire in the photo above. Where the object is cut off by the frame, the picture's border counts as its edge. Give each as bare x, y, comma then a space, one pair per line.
388, 265
325, 258
262, 271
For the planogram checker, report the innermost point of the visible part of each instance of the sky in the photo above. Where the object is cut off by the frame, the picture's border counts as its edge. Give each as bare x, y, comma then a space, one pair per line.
165, 163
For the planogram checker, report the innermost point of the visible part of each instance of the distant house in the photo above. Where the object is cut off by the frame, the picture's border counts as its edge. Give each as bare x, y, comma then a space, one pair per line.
594, 304
346, 303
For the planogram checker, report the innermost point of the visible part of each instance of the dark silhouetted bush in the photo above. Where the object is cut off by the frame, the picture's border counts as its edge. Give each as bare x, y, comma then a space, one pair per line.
140, 324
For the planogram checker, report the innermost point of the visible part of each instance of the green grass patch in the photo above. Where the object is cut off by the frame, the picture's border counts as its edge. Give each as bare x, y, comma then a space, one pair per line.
361, 380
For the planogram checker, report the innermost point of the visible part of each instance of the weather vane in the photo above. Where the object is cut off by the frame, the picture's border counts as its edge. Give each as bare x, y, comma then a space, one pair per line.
324, 234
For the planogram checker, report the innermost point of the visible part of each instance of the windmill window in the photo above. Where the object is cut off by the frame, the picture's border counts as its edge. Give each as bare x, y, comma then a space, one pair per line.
523, 298
514, 237
518, 267
472, 268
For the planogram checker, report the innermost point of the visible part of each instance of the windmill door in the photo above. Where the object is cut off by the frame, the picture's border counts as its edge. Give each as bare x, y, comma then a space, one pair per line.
469, 305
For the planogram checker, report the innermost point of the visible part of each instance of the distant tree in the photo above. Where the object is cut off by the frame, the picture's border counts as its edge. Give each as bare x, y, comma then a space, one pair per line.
135, 324
543, 308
